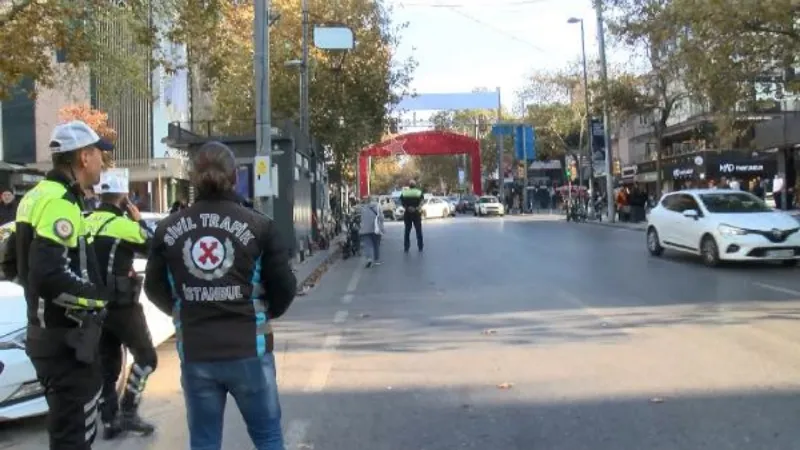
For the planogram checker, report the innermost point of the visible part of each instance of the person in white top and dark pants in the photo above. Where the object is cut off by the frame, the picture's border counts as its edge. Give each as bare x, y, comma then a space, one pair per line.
371, 231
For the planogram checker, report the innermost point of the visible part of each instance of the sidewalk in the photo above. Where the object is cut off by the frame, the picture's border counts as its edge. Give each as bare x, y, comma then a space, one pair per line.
314, 266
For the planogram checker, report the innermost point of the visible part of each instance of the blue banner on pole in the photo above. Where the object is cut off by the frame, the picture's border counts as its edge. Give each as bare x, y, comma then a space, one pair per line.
503, 130
524, 143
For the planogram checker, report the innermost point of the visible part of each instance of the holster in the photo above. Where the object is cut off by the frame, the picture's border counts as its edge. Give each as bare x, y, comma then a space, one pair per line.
85, 338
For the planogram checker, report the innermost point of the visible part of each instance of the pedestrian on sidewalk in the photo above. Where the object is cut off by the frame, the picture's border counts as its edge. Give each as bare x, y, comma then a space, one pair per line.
222, 271
371, 231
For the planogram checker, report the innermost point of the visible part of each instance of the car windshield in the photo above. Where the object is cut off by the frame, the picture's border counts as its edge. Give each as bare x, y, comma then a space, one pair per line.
488, 200
733, 202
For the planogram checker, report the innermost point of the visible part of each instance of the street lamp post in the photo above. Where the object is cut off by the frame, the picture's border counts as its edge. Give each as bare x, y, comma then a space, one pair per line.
574, 20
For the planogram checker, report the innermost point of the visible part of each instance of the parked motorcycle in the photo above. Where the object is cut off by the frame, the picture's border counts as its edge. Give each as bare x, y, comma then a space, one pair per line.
352, 243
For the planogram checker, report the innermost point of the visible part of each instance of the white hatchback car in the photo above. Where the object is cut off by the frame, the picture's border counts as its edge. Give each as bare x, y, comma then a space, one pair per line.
723, 225
489, 205
21, 395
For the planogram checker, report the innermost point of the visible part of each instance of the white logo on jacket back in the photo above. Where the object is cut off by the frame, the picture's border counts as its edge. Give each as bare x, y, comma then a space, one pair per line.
208, 258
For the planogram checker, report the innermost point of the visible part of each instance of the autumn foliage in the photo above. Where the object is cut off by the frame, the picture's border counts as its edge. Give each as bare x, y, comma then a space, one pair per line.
96, 119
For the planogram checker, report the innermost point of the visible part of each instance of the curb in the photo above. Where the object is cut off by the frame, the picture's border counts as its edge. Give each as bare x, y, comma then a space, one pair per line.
616, 225
317, 268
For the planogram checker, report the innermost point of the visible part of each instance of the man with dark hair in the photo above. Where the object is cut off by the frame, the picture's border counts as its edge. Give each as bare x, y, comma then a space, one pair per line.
8, 207
58, 270
221, 270
117, 241
411, 199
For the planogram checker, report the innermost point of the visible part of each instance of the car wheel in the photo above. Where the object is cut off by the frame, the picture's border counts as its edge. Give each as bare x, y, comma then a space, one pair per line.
709, 251
789, 262
653, 243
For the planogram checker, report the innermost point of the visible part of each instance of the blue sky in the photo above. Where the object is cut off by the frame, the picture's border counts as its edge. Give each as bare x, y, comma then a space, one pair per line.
464, 44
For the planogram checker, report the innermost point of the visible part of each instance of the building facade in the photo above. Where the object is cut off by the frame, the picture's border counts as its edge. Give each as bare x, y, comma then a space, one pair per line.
158, 173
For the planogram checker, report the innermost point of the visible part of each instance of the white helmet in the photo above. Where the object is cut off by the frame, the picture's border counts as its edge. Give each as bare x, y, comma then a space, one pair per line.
113, 181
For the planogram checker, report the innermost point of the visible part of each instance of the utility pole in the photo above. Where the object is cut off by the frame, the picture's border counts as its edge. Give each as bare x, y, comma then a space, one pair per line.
588, 117
499, 140
263, 112
304, 79
524, 157
601, 40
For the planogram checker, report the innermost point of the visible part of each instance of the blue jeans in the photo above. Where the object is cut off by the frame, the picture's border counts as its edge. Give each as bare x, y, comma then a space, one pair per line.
253, 385
371, 243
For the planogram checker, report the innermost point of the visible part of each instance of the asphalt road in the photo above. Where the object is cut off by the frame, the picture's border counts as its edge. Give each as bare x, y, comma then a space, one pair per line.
522, 333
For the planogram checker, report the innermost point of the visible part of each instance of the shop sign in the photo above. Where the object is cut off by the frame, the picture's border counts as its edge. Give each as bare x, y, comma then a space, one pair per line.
629, 171
646, 177
546, 165
731, 168
682, 172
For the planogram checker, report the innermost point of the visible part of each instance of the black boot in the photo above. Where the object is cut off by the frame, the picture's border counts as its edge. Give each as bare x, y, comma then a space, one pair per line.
111, 429
131, 421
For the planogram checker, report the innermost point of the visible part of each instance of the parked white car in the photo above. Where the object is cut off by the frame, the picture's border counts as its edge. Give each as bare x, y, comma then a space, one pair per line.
451, 203
489, 205
434, 207
21, 395
723, 225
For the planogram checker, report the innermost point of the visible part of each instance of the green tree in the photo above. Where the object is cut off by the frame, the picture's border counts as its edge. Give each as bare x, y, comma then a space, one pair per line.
120, 45
556, 109
349, 93
737, 55
660, 90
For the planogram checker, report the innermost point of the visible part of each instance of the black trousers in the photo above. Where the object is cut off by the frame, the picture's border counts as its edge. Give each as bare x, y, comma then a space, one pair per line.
125, 325
415, 220
72, 389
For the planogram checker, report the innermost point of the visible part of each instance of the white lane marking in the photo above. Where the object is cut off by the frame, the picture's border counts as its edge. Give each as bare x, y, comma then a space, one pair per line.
331, 342
353, 284
780, 289
347, 299
340, 316
296, 433
319, 377
570, 298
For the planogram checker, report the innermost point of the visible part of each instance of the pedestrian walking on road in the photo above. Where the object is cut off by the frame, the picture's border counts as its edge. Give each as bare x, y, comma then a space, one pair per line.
411, 199
371, 231
222, 271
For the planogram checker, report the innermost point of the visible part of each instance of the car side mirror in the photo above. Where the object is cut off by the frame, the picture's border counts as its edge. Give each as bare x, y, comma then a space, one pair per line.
692, 214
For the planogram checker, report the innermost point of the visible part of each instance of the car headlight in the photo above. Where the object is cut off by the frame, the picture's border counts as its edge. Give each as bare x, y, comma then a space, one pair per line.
14, 340
28, 390
730, 231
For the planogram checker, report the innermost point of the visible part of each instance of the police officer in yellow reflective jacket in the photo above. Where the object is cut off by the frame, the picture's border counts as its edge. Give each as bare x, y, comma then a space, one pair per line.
66, 297
117, 239
411, 199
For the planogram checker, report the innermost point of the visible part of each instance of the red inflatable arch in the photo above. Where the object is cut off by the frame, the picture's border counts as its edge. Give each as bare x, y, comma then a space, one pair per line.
423, 143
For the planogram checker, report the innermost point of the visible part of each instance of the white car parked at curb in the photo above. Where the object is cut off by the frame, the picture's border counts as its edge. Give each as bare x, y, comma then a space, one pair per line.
21, 395
723, 225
